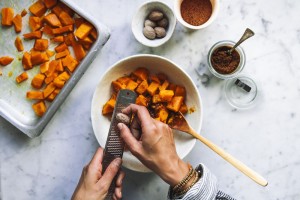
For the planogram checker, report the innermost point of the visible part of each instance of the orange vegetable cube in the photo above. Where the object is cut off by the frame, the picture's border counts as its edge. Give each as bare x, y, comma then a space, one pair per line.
17, 21
62, 54
154, 78
19, 44
180, 91
163, 115
48, 30
52, 96
50, 53
175, 103
50, 3
61, 47
59, 66
131, 85
52, 20
62, 30
142, 87
60, 81
23, 13
152, 88
69, 38
166, 95
52, 68
38, 57
26, 61
183, 108
38, 8
78, 50
141, 100
49, 89
141, 73
58, 39
22, 77
109, 106
39, 108
83, 30
33, 35
70, 63
50, 78
35, 23
156, 98
117, 86
41, 44
38, 95
124, 80
37, 81
5, 60
66, 19
86, 41
165, 85
7, 16
44, 67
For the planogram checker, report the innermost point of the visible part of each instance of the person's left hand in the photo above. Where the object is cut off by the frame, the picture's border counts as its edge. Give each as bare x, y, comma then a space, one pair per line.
93, 185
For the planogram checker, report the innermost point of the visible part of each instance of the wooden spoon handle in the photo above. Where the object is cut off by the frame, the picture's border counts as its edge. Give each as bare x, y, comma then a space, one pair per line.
229, 158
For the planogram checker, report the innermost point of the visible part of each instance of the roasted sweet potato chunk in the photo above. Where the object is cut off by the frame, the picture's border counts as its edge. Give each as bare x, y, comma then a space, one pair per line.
37, 95
22, 77
175, 103
7, 16
5, 60
19, 44
41, 44
17, 21
37, 81
38, 8
39, 108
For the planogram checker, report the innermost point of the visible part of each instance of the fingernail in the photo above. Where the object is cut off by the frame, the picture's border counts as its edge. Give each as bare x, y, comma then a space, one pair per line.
120, 126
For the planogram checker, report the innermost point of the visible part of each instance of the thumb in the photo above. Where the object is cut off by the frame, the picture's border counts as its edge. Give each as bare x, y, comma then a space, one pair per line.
111, 171
132, 144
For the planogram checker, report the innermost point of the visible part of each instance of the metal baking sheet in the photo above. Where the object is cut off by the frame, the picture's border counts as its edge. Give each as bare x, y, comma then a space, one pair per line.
14, 106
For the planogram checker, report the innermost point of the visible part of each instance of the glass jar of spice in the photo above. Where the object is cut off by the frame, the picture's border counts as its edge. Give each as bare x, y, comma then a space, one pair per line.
223, 64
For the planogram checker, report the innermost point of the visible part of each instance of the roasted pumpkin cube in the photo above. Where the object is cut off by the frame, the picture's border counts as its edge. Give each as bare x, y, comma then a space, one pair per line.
38, 80
52, 96
131, 85
124, 80
7, 16
62, 30
22, 77
78, 50
51, 68
117, 86
166, 95
58, 39
156, 98
66, 19
38, 57
141, 100
38, 8
59, 66
62, 54
50, 3
61, 47
38, 95
152, 88
180, 91
35, 23
70, 63
39, 108
17, 21
183, 108
50, 78
52, 20
165, 85
83, 30
142, 87
49, 89
141, 73
61, 79
44, 67
109, 107
163, 115
19, 44
24, 13
50, 53
33, 35
41, 44
175, 103
5, 60
26, 61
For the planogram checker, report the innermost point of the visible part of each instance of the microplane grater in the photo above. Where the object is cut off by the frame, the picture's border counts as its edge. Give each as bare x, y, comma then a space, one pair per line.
114, 146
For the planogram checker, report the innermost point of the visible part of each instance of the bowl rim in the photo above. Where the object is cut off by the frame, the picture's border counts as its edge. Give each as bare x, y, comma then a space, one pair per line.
212, 18
170, 31
167, 60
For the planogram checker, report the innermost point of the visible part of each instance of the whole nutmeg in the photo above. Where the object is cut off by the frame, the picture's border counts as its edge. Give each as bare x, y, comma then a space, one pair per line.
160, 32
163, 23
149, 32
156, 16
150, 23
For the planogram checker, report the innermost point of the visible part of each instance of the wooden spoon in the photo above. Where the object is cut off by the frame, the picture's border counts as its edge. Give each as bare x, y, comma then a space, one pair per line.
178, 122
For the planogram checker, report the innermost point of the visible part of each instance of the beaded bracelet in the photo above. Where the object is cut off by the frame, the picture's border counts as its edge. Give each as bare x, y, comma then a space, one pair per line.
179, 193
185, 180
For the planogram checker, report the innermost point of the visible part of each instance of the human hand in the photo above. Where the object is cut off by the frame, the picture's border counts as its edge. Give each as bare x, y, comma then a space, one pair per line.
156, 147
93, 185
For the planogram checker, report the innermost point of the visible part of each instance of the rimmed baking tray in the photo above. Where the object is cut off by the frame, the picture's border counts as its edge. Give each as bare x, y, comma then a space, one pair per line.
14, 106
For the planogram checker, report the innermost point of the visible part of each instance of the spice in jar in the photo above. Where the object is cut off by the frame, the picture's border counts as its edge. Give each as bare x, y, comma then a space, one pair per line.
196, 12
223, 61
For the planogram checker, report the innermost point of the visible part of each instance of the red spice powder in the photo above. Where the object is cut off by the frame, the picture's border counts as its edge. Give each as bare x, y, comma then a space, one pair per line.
196, 12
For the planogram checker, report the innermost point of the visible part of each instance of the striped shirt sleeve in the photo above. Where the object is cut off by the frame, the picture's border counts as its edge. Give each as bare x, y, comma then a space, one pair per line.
206, 188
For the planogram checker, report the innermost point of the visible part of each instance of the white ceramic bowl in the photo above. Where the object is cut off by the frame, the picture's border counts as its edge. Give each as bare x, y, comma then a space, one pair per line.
139, 18
215, 11
155, 64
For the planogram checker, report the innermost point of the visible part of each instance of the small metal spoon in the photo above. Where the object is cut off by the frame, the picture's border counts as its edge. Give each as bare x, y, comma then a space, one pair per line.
247, 34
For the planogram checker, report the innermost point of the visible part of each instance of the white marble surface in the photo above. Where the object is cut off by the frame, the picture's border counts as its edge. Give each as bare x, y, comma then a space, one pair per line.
265, 137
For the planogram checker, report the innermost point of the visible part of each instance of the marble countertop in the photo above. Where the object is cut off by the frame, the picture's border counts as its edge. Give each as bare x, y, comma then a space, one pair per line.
265, 137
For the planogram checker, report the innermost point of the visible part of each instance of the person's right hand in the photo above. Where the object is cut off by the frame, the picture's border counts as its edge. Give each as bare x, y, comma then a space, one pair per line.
156, 147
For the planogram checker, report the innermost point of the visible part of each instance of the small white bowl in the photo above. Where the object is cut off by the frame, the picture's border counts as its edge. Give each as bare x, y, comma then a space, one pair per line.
155, 64
141, 15
215, 11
